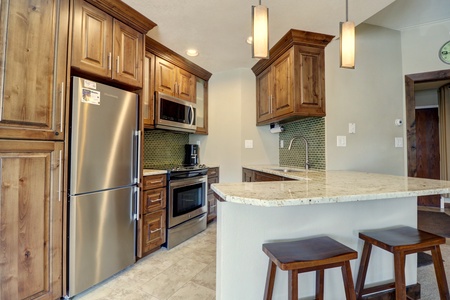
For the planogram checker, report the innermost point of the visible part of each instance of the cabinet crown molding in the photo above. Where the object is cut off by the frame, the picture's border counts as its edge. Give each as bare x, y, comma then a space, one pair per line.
125, 13
291, 38
171, 56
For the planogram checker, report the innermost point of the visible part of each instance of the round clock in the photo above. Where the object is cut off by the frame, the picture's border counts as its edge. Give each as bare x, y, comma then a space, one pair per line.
444, 53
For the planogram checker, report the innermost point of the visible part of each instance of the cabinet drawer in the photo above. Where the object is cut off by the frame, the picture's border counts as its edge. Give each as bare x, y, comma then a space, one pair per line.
154, 181
213, 172
154, 200
212, 207
154, 230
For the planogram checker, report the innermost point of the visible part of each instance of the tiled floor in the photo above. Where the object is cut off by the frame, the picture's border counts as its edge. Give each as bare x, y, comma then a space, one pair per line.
186, 272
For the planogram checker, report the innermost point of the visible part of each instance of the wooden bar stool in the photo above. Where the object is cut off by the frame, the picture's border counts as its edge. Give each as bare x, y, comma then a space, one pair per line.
313, 254
401, 242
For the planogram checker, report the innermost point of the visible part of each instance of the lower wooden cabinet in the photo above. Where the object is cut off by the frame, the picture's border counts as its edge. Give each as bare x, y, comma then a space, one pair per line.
213, 177
152, 220
31, 225
249, 175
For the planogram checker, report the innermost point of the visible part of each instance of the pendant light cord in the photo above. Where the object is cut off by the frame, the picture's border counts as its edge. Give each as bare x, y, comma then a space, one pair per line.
346, 10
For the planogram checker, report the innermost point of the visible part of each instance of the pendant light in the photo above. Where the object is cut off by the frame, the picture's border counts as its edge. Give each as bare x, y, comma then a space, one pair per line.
260, 31
347, 42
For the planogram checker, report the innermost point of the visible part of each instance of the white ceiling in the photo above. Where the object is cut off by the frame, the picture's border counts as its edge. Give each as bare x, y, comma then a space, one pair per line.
219, 29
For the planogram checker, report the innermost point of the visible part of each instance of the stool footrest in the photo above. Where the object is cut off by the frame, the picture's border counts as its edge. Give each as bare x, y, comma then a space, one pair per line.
378, 288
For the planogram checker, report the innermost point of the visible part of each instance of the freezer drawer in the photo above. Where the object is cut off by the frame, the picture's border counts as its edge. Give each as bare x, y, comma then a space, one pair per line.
102, 236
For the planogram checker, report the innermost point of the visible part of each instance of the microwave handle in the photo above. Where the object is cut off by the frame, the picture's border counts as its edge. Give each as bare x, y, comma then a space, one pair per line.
193, 117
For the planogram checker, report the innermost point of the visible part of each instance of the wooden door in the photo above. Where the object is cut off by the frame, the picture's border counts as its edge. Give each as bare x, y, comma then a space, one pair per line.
185, 85
31, 219
263, 96
310, 85
283, 73
165, 76
92, 40
128, 54
33, 41
148, 91
427, 150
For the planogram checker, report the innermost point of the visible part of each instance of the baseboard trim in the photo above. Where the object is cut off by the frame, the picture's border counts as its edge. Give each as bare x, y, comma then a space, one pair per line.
412, 291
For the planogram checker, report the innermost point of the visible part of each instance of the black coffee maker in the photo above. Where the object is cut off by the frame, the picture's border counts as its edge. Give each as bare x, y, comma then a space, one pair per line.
191, 157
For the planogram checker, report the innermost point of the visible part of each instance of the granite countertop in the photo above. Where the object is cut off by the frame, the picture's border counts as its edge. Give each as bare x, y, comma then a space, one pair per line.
149, 172
316, 186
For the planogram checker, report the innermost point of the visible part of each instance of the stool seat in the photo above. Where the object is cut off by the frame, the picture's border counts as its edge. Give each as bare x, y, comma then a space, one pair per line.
400, 241
312, 254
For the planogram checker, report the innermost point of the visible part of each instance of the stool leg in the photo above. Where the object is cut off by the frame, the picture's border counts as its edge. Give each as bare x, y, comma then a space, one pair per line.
399, 268
348, 281
363, 265
320, 274
270, 280
440, 273
293, 285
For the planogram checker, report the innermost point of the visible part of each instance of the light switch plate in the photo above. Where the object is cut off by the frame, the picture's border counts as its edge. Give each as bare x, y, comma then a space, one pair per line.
248, 144
399, 142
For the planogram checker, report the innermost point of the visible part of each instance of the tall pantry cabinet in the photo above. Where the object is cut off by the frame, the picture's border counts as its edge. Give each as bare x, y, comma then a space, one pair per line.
33, 51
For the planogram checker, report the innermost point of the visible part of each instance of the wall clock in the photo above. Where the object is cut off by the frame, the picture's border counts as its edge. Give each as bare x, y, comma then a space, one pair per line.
444, 53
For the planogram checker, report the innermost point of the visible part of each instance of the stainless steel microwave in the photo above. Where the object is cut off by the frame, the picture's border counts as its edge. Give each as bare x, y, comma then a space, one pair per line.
174, 113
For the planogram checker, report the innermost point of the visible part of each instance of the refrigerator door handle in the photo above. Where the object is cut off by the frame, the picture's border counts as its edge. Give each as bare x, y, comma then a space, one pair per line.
136, 193
137, 180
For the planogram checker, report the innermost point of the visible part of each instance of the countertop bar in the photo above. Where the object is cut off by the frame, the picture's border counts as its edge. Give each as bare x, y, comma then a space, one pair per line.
316, 186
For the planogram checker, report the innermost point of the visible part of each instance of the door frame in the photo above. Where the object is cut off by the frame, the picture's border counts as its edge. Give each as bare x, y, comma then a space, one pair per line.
410, 81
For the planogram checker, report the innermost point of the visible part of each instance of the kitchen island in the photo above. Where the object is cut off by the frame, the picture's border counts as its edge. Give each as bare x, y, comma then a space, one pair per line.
334, 203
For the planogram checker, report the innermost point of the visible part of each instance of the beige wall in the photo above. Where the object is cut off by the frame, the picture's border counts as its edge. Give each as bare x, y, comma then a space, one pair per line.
370, 96
232, 119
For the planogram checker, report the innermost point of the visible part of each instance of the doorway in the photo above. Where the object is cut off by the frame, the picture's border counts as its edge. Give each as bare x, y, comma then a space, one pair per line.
417, 157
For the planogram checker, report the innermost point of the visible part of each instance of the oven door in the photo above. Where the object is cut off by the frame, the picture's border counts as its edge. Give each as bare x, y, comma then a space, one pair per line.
187, 199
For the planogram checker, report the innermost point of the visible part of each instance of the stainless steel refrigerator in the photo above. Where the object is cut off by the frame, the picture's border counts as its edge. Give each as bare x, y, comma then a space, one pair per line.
103, 193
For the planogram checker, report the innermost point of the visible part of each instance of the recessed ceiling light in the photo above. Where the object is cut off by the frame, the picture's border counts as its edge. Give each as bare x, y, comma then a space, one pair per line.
250, 40
192, 52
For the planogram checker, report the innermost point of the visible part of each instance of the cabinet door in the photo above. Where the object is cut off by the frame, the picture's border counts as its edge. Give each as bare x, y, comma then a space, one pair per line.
212, 207
128, 54
33, 43
282, 72
148, 91
154, 200
263, 96
185, 85
201, 100
154, 230
311, 80
165, 76
261, 176
92, 39
31, 219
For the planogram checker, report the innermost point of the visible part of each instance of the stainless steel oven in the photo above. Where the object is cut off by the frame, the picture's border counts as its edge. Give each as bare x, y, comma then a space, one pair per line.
187, 205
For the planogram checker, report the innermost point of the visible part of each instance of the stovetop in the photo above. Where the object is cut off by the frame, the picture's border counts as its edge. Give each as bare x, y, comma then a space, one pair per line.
177, 168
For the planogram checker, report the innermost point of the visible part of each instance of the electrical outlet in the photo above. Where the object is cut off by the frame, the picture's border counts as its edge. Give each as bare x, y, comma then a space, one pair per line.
281, 143
351, 128
399, 142
248, 144
341, 141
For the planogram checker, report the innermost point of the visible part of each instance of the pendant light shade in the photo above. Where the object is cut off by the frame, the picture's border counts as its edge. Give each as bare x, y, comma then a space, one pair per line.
347, 45
260, 31
347, 42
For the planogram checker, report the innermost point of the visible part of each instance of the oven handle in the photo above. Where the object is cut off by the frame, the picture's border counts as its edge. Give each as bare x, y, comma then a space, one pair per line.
187, 181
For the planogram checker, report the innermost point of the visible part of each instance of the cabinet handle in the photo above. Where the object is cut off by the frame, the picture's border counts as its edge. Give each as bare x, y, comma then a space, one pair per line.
109, 61
156, 200
270, 104
62, 107
117, 64
155, 182
212, 206
60, 176
156, 230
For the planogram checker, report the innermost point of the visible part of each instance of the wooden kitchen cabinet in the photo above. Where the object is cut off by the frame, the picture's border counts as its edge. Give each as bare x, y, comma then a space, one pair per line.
175, 81
148, 91
290, 85
33, 39
213, 177
106, 47
152, 220
249, 175
31, 219
201, 92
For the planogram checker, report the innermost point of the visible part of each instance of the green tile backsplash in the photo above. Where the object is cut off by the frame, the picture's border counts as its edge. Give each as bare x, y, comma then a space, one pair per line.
164, 148
313, 129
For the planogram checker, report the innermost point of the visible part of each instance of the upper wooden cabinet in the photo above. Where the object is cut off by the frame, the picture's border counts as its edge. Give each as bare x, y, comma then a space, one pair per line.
33, 39
291, 84
174, 81
170, 73
31, 214
105, 46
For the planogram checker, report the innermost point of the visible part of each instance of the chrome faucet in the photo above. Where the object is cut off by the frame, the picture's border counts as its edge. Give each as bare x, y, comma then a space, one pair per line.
306, 149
